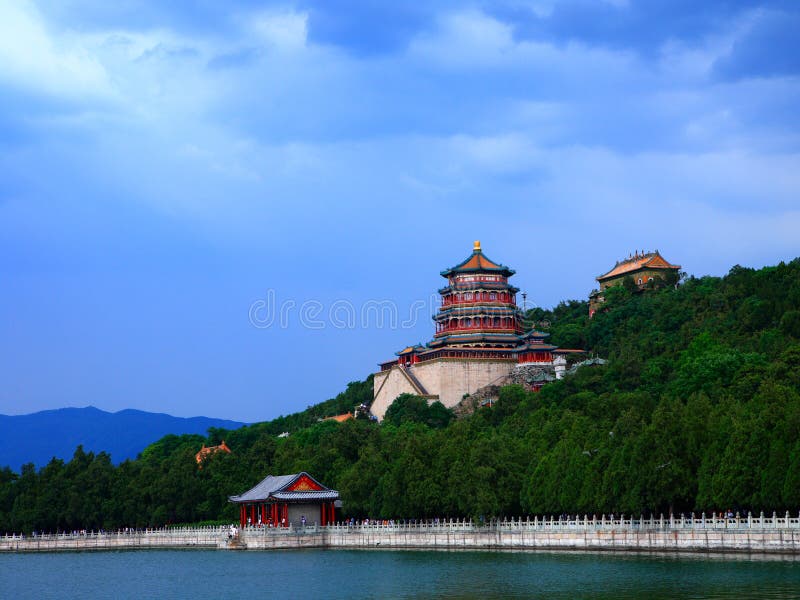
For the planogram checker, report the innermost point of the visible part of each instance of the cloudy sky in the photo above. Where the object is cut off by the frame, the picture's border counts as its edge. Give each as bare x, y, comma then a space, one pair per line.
201, 202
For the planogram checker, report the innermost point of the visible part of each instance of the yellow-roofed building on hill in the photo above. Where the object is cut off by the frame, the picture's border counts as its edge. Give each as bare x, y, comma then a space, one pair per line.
644, 268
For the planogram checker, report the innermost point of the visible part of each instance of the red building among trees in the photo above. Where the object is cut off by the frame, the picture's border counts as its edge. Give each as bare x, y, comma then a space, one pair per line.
278, 501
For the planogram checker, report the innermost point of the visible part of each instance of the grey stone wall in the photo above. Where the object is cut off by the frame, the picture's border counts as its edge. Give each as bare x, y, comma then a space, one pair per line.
762, 536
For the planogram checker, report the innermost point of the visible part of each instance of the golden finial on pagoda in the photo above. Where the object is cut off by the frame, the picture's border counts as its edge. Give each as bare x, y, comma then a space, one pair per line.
476, 247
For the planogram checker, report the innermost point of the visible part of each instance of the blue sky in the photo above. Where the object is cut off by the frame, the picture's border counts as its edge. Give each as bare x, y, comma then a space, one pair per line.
167, 169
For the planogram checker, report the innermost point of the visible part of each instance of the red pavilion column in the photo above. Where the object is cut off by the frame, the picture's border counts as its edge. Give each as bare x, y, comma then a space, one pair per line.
332, 515
322, 515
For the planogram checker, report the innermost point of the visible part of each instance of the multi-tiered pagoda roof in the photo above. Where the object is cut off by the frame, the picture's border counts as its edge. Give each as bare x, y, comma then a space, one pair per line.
479, 307
478, 318
479, 341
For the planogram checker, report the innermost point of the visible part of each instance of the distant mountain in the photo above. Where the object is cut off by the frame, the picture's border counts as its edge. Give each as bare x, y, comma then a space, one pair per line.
40, 436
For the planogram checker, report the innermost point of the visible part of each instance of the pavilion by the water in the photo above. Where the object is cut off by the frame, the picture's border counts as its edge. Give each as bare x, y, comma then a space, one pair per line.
479, 340
281, 500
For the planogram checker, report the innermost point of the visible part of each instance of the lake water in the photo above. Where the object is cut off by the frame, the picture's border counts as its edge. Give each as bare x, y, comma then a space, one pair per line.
392, 574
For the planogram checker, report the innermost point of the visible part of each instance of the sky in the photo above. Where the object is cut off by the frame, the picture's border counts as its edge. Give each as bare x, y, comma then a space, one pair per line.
232, 209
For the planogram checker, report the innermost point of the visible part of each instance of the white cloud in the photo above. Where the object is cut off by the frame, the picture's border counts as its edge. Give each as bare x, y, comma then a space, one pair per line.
465, 39
32, 57
285, 31
511, 153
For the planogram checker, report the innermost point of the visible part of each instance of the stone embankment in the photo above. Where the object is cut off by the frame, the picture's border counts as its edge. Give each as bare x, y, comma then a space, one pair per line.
747, 535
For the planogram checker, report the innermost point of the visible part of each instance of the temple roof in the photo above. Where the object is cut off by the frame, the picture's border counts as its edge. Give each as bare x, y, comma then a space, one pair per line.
298, 486
340, 418
478, 262
471, 338
322, 495
648, 260
535, 347
534, 334
207, 451
475, 349
411, 350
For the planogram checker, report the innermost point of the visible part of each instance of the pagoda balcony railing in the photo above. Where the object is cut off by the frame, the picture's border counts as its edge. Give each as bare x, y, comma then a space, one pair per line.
443, 317
495, 302
495, 286
470, 353
480, 328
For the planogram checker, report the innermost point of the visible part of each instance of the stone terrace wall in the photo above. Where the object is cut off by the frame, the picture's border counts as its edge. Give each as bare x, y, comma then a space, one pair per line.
195, 537
749, 535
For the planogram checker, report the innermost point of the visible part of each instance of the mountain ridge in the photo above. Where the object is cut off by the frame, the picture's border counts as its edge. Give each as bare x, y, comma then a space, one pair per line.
38, 437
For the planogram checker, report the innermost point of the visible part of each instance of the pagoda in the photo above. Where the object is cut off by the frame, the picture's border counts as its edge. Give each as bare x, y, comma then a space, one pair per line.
479, 306
479, 340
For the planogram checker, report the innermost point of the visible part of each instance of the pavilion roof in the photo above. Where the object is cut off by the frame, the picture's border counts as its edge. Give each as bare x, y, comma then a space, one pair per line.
534, 334
297, 486
322, 495
645, 260
478, 262
207, 451
535, 347
411, 350
461, 348
475, 337
340, 418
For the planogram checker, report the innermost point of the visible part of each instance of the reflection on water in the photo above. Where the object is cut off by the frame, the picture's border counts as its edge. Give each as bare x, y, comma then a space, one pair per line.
394, 574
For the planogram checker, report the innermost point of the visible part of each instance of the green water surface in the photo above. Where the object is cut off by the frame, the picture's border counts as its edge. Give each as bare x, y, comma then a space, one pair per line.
392, 574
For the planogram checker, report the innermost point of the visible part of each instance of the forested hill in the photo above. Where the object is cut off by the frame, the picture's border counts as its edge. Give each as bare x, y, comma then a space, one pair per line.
697, 408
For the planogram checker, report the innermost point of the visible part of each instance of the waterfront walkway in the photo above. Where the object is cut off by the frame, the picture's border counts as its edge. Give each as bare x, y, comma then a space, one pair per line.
762, 534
